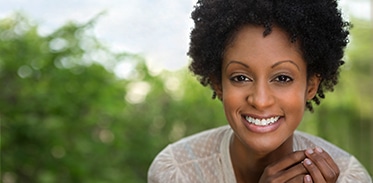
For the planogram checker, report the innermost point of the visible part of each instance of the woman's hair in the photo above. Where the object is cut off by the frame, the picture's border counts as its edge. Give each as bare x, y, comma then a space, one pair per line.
317, 26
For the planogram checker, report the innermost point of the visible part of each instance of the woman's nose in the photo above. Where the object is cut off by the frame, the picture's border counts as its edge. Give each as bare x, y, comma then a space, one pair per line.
260, 96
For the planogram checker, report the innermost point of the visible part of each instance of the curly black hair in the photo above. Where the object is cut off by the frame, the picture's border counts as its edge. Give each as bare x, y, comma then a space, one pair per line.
317, 24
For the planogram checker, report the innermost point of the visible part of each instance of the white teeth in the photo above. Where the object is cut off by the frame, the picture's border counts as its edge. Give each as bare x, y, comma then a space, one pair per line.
262, 122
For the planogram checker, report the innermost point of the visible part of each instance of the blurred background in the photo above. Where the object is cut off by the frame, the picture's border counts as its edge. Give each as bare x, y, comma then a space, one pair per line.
91, 91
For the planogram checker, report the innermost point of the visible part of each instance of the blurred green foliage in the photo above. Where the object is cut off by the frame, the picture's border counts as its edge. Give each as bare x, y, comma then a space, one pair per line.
345, 117
66, 117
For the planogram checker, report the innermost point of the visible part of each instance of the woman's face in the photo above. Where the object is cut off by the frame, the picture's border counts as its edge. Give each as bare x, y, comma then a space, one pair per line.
264, 87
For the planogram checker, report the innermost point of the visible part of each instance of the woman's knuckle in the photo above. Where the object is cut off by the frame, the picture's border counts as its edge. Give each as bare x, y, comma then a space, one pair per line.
331, 175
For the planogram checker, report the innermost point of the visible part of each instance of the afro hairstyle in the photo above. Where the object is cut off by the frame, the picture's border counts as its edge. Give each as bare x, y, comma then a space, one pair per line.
317, 25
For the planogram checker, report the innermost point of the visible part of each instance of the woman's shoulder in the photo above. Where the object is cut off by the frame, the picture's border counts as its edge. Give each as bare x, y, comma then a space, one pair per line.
211, 137
351, 170
199, 145
186, 154
303, 140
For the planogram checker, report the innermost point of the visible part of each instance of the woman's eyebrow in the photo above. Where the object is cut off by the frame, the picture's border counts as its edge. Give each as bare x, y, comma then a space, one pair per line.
236, 62
285, 61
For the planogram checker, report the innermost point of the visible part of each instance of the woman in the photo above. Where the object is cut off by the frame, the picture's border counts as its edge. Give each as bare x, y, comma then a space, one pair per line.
267, 61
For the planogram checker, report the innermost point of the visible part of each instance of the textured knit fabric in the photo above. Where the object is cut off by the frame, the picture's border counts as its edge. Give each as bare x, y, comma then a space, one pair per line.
204, 157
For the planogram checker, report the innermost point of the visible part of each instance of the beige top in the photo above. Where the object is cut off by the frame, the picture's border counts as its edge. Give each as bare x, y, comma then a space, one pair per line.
204, 157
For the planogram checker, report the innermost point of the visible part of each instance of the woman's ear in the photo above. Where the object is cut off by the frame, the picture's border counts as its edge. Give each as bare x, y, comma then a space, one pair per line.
313, 86
217, 87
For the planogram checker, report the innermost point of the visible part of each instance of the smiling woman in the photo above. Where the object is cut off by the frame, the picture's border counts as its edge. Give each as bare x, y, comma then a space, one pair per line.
267, 61
268, 81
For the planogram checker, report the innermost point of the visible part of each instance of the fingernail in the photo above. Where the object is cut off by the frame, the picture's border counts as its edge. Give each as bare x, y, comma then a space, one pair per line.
308, 178
318, 149
309, 151
307, 161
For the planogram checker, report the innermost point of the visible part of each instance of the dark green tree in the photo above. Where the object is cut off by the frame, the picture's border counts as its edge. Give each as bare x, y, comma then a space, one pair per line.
59, 107
67, 118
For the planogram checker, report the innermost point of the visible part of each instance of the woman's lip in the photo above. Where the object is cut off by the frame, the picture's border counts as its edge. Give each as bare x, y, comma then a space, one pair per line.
262, 129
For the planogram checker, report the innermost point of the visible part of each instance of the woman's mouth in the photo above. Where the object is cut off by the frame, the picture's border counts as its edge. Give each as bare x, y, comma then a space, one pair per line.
262, 122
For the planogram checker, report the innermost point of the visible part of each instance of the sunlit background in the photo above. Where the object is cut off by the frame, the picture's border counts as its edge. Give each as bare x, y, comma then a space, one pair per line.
157, 29
93, 90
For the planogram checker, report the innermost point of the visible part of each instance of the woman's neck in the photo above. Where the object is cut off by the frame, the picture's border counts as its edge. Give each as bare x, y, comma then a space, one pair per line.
249, 165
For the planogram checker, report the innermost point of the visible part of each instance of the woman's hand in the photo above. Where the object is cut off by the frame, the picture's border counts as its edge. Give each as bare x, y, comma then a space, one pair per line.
320, 166
287, 169
310, 166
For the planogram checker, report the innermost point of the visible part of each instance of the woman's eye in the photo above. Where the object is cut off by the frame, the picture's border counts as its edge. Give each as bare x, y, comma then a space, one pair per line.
239, 78
283, 79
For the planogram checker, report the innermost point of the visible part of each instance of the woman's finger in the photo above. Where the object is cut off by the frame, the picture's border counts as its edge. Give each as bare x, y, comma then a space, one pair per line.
285, 169
314, 171
286, 162
324, 163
